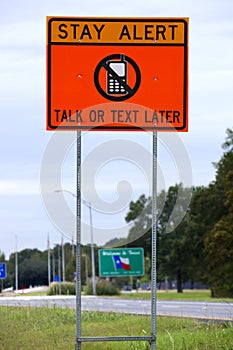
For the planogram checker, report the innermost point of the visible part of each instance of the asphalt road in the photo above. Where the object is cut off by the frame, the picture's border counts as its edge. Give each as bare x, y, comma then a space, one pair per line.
193, 309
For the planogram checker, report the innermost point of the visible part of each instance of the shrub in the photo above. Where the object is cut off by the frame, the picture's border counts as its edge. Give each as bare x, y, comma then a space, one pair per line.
102, 288
62, 288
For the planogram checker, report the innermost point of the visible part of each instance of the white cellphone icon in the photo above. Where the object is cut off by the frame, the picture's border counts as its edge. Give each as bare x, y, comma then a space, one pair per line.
114, 85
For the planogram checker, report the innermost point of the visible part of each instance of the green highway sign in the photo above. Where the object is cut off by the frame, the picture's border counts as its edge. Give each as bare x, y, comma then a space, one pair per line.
121, 262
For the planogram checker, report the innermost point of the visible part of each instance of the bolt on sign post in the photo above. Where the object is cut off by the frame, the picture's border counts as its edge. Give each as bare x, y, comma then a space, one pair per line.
117, 74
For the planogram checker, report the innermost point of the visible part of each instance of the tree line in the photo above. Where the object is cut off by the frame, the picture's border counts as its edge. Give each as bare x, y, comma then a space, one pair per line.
199, 248
32, 266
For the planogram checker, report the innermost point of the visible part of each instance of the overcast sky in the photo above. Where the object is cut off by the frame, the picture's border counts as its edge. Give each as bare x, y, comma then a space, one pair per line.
25, 143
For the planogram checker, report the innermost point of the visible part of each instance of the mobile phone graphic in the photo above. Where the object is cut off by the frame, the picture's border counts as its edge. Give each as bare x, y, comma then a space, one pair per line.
114, 86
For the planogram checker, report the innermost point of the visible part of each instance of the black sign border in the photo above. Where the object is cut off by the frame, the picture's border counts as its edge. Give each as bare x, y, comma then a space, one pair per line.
123, 19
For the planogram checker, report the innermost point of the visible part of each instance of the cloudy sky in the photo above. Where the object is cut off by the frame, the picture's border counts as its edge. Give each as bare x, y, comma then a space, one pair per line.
26, 146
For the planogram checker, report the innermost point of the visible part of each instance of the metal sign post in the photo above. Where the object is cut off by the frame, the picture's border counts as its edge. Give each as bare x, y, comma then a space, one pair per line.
153, 243
152, 337
120, 52
78, 245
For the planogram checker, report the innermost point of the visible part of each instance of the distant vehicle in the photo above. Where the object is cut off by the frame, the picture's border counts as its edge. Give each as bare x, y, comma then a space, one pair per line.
127, 288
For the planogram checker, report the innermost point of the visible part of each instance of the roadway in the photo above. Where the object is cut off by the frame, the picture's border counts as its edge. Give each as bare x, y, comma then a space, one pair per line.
193, 309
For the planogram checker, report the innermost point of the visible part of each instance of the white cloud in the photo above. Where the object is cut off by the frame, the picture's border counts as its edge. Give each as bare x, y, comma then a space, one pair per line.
22, 98
18, 187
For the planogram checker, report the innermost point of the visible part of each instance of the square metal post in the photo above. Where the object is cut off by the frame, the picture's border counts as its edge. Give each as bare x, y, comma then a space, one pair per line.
78, 245
153, 242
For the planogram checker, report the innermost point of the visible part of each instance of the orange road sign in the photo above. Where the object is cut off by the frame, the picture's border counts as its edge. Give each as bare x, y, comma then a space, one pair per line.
117, 74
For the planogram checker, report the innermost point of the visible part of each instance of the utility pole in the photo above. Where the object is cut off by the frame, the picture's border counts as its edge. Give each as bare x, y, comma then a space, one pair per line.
16, 264
59, 269
53, 265
63, 259
49, 268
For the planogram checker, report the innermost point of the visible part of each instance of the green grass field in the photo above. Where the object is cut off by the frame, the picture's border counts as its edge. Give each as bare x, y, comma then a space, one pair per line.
53, 329
191, 295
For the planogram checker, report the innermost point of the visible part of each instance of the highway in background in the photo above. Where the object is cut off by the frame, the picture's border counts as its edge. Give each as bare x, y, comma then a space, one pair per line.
192, 309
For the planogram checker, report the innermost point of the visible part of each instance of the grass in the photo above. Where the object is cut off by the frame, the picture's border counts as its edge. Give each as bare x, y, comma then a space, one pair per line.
189, 295
30, 294
26, 328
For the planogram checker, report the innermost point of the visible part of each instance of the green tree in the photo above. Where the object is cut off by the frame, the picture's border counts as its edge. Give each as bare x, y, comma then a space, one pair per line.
2, 257
175, 249
173, 239
219, 240
219, 249
33, 270
202, 220
140, 213
115, 242
70, 261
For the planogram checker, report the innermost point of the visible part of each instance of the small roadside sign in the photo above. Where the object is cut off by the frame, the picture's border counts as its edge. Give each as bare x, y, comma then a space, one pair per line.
2, 270
121, 262
96, 62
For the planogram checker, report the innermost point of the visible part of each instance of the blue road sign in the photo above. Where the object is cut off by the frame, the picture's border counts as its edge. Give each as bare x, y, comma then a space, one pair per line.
2, 270
56, 278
